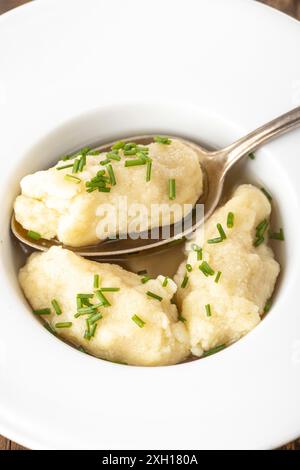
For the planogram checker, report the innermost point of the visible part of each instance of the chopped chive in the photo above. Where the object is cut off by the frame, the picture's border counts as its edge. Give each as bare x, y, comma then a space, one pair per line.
162, 140
72, 178
221, 231
83, 151
93, 329
118, 145
198, 251
105, 162
214, 350
102, 298
64, 167
96, 281
94, 152
165, 283
251, 156
206, 269
154, 296
111, 175
136, 162
208, 310
138, 321
42, 311
258, 241
261, 228
130, 152
218, 277
56, 307
148, 172
143, 271
230, 219
130, 146
66, 324
82, 163
85, 296
75, 166
104, 190
277, 236
145, 279
266, 193
110, 289
181, 318
81, 349
113, 156
87, 310
78, 303
211, 241
184, 281
172, 188
34, 235
95, 317
50, 328
189, 267
267, 306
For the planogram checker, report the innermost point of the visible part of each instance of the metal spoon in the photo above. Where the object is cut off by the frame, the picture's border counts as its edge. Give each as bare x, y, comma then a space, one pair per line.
215, 166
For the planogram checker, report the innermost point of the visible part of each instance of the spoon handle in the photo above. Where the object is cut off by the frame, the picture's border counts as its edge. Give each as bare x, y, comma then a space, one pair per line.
263, 134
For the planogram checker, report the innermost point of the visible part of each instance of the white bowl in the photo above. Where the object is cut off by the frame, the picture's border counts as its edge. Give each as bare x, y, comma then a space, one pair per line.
211, 71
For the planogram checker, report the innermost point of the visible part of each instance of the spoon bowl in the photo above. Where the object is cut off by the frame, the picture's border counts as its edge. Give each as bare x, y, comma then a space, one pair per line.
214, 164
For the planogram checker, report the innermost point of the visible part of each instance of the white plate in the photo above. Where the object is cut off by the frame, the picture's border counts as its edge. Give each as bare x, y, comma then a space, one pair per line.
209, 69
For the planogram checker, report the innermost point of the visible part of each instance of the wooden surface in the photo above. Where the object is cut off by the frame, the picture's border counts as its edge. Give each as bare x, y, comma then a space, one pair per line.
291, 7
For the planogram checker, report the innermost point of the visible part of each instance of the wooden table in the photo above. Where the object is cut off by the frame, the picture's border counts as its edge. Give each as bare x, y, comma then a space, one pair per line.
291, 7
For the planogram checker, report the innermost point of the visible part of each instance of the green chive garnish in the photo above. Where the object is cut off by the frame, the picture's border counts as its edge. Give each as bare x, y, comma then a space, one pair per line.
208, 310
258, 241
198, 251
78, 303
94, 152
102, 298
56, 307
136, 162
93, 329
72, 178
66, 324
185, 281
212, 241
87, 310
261, 228
189, 267
145, 279
221, 231
266, 193
42, 311
96, 281
277, 236
105, 162
172, 189
34, 235
83, 151
181, 318
251, 155
118, 145
214, 350
148, 172
138, 321
130, 152
162, 140
130, 146
111, 175
113, 156
93, 318
268, 305
154, 296
64, 167
206, 269
230, 219
85, 296
75, 166
82, 163
165, 283
218, 277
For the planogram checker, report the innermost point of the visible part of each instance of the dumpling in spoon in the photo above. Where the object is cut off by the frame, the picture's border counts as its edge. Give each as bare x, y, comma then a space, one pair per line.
105, 309
230, 280
86, 199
